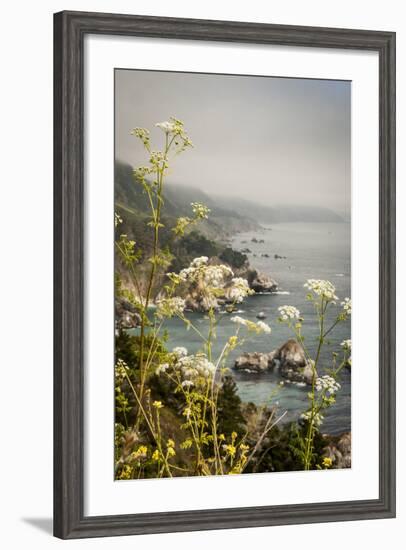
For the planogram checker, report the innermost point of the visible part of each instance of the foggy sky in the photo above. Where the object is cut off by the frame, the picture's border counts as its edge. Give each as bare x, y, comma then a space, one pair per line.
272, 140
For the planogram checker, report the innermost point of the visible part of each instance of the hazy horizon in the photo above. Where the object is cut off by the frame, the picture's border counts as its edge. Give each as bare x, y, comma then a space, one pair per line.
276, 141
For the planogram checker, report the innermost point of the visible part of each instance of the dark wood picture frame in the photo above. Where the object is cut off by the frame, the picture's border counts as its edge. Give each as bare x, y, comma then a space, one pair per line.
70, 29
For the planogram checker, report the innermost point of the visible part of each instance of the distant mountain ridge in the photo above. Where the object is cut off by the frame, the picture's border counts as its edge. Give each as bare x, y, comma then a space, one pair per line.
223, 222
228, 214
280, 213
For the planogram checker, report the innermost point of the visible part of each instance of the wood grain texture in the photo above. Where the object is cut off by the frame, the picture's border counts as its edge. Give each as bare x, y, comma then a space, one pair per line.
69, 31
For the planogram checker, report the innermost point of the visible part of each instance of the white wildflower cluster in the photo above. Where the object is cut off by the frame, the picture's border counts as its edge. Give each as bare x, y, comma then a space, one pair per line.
191, 273
288, 312
175, 128
238, 290
328, 384
200, 211
346, 345
168, 307
212, 282
192, 369
317, 418
179, 351
263, 327
187, 384
198, 262
162, 368
166, 126
215, 276
195, 367
347, 305
322, 288
121, 369
117, 219
239, 320
258, 327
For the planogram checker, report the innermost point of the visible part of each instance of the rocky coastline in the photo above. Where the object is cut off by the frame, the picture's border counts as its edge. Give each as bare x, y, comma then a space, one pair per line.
289, 359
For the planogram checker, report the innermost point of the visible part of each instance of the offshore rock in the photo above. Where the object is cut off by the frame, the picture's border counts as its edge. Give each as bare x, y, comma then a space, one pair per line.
289, 358
254, 362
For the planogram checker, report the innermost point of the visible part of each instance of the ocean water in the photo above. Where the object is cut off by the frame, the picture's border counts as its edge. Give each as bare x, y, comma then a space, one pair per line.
313, 251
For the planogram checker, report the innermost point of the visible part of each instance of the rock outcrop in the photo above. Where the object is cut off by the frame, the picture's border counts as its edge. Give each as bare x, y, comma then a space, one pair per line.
339, 450
293, 364
260, 282
254, 362
126, 314
289, 359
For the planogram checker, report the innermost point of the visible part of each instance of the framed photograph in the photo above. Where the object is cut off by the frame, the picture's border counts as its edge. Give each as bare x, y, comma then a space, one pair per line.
224, 275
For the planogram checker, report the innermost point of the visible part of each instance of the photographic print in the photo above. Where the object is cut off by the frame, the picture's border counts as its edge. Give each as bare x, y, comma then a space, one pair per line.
232, 223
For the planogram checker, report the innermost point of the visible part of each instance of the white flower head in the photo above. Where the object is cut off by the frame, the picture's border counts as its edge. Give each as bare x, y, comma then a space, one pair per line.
322, 288
347, 305
193, 367
198, 262
346, 344
264, 327
161, 368
168, 307
328, 384
200, 211
238, 320
117, 219
180, 351
166, 126
238, 289
121, 370
258, 327
288, 312
317, 418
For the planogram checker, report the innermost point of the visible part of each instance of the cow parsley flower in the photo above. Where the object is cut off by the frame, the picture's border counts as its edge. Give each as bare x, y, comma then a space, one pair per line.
238, 290
347, 305
258, 327
288, 312
175, 127
317, 418
121, 370
200, 211
346, 344
264, 327
168, 307
193, 367
215, 276
198, 262
322, 288
161, 368
166, 126
328, 384
239, 320
180, 351
117, 219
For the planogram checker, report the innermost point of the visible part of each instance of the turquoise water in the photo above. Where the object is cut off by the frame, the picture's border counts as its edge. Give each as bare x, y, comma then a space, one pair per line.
312, 250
